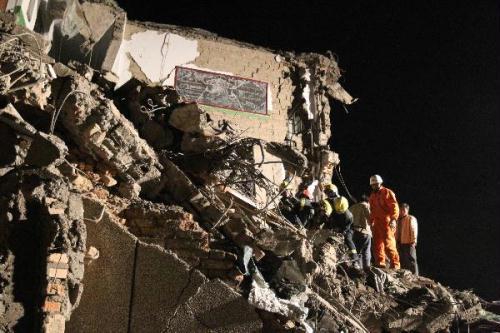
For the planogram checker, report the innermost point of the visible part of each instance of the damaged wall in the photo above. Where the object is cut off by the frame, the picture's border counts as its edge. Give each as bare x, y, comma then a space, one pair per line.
153, 212
143, 288
152, 55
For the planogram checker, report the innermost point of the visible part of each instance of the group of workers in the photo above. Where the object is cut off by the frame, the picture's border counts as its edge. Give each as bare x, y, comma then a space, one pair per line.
376, 223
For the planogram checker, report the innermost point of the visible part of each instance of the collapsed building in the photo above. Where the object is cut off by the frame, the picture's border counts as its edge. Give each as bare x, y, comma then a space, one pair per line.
140, 176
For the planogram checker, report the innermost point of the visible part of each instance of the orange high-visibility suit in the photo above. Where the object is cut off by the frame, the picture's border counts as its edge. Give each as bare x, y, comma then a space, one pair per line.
383, 209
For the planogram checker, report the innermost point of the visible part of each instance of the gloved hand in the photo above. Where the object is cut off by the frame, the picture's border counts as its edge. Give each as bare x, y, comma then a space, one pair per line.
392, 225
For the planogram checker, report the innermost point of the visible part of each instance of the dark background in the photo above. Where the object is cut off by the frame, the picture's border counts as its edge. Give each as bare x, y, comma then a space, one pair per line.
427, 75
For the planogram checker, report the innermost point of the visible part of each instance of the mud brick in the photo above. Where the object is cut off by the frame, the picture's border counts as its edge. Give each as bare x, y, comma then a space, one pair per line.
258, 253
58, 258
216, 264
59, 271
188, 224
55, 289
217, 254
51, 306
192, 234
236, 275
56, 210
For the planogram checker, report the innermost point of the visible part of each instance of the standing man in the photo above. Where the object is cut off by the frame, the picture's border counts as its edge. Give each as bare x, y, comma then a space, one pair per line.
406, 238
362, 236
384, 212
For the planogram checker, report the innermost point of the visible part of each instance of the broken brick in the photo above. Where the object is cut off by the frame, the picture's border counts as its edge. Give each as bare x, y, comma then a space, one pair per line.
59, 258
54, 288
51, 306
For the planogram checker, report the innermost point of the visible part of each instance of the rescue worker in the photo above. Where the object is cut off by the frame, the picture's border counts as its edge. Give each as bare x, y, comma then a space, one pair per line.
384, 212
305, 209
406, 239
341, 220
331, 191
325, 210
288, 204
362, 235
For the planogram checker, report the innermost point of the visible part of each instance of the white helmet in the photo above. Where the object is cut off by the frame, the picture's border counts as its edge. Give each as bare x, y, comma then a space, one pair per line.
376, 179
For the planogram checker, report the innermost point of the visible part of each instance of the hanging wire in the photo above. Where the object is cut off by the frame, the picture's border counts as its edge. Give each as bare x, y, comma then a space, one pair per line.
339, 175
55, 115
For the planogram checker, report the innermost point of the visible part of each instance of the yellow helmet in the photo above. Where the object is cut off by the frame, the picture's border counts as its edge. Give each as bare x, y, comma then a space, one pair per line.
284, 185
341, 204
326, 207
331, 187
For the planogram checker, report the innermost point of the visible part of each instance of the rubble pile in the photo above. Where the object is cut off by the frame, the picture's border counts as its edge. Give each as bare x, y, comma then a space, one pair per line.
128, 207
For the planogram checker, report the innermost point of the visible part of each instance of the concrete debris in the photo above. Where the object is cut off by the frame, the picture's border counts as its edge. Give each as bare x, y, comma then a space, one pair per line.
263, 297
141, 174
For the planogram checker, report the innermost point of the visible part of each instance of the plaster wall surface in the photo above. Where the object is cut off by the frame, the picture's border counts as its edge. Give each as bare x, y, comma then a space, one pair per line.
152, 55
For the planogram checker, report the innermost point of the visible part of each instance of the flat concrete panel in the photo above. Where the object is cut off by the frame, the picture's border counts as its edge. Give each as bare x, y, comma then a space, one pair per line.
217, 308
162, 284
105, 302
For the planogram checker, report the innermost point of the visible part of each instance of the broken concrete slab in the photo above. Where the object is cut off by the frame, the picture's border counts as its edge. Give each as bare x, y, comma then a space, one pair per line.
190, 118
45, 150
162, 283
108, 280
217, 308
99, 128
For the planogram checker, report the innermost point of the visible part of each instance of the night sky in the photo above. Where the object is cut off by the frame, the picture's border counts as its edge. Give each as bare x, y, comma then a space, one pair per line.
427, 120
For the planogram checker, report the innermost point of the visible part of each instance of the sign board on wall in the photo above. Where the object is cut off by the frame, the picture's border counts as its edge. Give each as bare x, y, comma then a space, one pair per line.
220, 90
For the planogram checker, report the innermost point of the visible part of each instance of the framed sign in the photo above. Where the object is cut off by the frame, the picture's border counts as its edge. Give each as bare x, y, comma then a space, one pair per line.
221, 90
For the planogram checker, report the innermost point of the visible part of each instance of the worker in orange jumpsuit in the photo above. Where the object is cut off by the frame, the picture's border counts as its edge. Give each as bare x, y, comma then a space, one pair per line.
384, 211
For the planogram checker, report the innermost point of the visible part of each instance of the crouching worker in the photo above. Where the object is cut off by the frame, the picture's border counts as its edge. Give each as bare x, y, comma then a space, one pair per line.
341, 219
305, 209
289, 205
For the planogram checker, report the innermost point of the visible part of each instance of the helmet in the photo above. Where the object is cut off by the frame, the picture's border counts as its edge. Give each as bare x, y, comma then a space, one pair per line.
284, 185
305, 193
326, 207
340, 204
331, 187
376, 179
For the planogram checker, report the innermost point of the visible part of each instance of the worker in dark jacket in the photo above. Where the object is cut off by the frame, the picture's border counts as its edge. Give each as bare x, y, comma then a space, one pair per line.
289, 205
341, 220
305, 209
